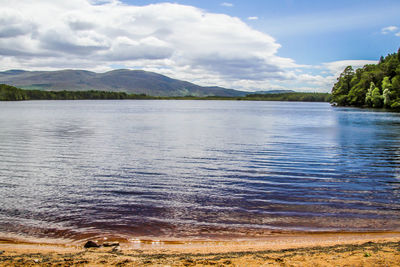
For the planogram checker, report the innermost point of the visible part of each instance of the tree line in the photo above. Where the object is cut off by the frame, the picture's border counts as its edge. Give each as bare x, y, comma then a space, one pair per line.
374, 85
11, 93
297, 96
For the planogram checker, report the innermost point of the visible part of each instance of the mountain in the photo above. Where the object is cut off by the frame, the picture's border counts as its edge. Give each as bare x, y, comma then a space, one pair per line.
122, 80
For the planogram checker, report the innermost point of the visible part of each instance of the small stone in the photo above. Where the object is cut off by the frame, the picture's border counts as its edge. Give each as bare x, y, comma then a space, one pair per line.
91, 244
110, 244
116, 249
36, 260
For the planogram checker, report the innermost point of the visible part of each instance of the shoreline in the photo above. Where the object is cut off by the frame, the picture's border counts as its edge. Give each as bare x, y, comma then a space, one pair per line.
289, 247
127, 239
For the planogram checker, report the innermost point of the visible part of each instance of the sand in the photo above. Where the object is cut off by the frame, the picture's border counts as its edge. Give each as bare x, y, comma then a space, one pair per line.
323, 249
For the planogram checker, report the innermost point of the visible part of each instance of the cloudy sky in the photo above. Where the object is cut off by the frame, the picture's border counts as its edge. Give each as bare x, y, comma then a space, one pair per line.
248, 45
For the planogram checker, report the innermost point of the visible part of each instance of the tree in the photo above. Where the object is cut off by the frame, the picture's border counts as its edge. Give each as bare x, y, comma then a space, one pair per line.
343, 86
398, 54
377, 99
386, 86
368, 97
11, 93
386, 97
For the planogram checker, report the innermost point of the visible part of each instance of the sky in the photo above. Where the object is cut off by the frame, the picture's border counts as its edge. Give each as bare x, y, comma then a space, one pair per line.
301, 45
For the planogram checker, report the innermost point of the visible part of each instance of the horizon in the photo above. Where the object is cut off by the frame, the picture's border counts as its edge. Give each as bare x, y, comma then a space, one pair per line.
264, 45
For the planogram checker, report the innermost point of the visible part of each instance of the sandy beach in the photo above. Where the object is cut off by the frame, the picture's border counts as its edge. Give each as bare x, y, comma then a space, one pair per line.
305, 249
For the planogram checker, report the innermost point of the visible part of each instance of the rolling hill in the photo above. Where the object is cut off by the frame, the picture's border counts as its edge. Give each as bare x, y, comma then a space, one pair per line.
122, 80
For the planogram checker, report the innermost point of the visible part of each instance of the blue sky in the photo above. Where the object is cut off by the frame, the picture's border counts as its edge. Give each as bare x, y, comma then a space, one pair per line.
247, 45
315, 31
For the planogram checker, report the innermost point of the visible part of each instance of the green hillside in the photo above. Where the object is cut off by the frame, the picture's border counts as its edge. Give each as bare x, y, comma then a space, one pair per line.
122, 80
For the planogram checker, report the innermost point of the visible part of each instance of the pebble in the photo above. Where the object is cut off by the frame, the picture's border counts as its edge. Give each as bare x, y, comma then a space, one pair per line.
116, 249
110, 244
91, 244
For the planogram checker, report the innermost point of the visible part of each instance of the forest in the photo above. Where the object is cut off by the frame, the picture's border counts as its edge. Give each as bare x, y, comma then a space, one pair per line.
374, 85
294, 96
11, 93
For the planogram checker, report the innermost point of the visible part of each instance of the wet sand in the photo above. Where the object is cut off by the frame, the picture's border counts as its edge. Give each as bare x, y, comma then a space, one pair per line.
322, 249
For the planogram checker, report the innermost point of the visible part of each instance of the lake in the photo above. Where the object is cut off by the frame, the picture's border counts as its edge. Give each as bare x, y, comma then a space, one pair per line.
195, 169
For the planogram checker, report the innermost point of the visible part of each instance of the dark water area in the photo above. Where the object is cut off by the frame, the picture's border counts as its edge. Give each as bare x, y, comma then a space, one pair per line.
195, 169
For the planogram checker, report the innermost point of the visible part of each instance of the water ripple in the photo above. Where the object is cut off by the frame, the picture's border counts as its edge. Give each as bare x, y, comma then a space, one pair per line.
196, 168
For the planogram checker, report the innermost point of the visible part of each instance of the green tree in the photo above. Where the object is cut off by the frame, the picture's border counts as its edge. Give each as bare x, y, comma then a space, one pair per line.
343, 86
368, 96
386, 84
11, 93
386, 98
398, 54
386, 87
377, 99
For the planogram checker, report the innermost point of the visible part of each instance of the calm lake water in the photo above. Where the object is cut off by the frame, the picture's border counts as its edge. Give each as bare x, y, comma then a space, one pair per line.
205, 169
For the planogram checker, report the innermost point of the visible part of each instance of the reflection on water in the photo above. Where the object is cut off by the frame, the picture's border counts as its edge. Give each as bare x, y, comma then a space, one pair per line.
196, 168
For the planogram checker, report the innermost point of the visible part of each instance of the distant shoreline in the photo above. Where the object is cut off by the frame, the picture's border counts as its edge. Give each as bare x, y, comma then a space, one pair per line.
11, 93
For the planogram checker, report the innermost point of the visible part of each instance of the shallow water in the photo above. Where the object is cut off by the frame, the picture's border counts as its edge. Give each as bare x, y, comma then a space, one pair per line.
184, 169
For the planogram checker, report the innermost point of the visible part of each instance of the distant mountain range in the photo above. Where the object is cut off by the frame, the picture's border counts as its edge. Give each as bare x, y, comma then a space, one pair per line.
122, 80
130, 81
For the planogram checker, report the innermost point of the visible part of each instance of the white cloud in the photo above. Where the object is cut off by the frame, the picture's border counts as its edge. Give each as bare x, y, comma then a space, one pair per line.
389, 29
183, 42
325, 75
226, 4
253, 18
336, 67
